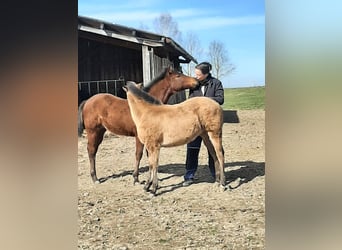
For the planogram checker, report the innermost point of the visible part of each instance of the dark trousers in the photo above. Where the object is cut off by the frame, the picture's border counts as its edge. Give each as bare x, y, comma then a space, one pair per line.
191, 163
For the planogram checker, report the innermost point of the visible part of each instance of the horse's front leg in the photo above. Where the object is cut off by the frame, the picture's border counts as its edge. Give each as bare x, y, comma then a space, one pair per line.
139, 148
149, 180
155, 178
153, 157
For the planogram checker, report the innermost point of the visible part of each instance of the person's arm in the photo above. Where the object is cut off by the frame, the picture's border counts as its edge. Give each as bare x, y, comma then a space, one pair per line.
218, 92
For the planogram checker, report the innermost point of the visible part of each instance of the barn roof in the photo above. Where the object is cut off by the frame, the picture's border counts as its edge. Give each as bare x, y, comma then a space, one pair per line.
133, 35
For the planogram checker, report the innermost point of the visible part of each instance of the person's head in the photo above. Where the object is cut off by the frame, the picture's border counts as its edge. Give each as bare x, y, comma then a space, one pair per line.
202, 70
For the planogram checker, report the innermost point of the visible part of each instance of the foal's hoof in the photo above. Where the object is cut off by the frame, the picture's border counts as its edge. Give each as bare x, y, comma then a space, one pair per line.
152, 195
135, 180
96, 182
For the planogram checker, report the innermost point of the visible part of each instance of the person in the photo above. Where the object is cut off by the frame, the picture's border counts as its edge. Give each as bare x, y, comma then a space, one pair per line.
211, 88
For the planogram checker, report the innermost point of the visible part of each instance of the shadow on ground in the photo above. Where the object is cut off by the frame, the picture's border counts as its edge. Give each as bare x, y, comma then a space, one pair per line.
247, 172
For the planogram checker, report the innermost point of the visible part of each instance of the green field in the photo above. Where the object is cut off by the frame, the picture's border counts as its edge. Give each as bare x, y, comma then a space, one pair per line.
244, 98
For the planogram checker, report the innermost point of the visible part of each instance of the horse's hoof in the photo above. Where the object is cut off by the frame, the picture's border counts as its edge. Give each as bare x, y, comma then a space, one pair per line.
152, 195
223, 187
97, 182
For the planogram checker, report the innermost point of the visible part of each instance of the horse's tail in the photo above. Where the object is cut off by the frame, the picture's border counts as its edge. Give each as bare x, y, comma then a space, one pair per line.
80, 119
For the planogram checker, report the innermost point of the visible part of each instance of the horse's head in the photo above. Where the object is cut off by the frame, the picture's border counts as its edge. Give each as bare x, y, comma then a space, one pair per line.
168, 82
178, 81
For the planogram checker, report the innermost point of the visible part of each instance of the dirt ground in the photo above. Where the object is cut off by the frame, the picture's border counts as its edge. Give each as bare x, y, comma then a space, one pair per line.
119, 215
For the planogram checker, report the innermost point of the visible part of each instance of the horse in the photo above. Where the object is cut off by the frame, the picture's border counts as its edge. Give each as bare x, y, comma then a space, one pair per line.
161, 125
104, 112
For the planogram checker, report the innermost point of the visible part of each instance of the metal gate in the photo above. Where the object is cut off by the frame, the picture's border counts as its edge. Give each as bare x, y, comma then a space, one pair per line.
86, 89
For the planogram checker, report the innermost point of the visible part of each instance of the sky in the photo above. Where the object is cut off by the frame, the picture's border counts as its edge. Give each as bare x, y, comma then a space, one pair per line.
239, 25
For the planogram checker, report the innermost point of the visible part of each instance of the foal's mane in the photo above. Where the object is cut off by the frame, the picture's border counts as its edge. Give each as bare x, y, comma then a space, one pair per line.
141, 94
155, 80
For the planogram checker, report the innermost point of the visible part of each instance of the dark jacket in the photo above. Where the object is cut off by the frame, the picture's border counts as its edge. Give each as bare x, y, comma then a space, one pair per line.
213, 89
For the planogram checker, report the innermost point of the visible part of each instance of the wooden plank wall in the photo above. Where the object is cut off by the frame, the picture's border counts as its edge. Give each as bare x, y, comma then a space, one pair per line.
99, 60
103, 61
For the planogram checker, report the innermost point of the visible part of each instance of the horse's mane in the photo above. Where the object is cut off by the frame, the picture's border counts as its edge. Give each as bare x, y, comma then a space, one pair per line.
155, 80
142, 94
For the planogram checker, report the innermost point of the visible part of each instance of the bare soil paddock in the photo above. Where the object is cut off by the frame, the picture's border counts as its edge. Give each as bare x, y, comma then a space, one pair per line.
119, 215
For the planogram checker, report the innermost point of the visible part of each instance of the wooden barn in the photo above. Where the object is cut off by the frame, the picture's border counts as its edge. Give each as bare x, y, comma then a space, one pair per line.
111, 54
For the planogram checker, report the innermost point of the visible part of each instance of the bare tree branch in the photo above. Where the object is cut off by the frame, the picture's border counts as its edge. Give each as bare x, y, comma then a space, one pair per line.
219, 59
165, 25
193, 47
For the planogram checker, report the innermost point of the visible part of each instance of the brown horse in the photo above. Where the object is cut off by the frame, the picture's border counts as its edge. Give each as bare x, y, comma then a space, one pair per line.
104, 112
160, 125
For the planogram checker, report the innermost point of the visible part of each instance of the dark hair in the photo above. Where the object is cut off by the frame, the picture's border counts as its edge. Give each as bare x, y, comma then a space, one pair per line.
204, 67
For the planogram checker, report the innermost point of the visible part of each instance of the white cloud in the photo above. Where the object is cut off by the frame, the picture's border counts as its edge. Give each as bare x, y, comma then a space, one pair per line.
139, 12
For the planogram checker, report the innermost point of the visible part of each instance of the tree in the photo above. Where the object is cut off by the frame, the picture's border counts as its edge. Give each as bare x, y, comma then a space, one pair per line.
143, 26
166, 26
193, 46
219, 59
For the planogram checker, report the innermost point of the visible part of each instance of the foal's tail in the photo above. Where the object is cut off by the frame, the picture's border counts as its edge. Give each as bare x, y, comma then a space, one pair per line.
80, 119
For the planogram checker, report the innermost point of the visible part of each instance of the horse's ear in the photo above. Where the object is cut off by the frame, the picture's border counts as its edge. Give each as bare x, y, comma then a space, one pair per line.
170, 68
125, 86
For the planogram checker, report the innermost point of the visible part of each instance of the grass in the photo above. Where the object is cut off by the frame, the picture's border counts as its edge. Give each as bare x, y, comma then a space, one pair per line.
244, 98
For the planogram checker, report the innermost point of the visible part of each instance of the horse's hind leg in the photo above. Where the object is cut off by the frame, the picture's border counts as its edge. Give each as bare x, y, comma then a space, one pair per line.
95, 138
212, 152
216, 141
215, 149
139, 148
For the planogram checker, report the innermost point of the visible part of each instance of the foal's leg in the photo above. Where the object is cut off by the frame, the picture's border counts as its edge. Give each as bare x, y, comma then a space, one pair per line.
149, 180
212, 152
153, 155
95, 138
154, 163
139, 148
216, 140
